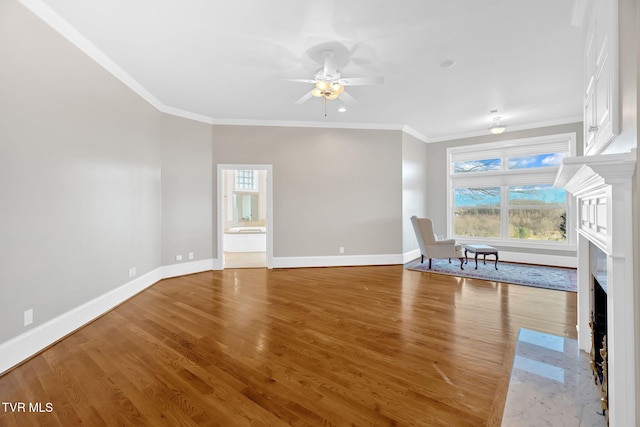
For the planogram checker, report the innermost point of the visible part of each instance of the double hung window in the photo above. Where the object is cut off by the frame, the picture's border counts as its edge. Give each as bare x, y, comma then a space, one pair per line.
503, 192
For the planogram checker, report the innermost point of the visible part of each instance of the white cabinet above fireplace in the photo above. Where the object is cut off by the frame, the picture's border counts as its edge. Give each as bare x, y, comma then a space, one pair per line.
601, 115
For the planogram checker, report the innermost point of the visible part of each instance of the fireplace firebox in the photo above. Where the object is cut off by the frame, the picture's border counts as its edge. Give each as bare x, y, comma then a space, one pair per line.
599, 325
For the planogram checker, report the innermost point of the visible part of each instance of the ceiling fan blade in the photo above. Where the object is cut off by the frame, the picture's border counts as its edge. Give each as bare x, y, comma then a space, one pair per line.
302, 80
357, 81
347, 99
305, 98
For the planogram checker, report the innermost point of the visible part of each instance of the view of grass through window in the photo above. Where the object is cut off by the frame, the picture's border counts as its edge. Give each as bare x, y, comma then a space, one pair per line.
537, 212
529, 211
477, 212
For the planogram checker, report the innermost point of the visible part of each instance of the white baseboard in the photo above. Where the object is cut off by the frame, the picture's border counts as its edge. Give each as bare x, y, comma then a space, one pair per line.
25, 345
410, 256
336, 261
182, 269
553, 260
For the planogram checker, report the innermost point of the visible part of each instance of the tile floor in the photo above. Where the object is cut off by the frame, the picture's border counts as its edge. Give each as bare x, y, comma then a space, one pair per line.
551, 384
245, 259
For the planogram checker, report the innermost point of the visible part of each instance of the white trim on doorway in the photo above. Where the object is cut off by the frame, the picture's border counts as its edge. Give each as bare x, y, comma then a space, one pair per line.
218, 263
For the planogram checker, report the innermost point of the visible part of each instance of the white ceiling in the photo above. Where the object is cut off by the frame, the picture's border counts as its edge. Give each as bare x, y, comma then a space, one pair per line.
229, 61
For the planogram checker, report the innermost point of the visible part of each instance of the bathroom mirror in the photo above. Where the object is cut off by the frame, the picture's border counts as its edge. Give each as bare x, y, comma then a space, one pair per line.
245, 207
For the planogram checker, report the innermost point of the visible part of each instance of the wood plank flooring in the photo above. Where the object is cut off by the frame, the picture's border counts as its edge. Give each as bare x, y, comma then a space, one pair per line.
361, 346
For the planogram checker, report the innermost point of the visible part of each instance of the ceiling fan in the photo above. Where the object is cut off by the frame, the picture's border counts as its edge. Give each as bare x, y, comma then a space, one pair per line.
329, 83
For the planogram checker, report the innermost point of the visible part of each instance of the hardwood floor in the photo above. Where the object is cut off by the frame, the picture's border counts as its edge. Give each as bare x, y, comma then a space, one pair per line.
359, 346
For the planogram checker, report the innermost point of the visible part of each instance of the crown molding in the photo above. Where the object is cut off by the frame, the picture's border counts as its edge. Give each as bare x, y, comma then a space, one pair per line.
555, 122
59, 24
411, 131
306, 124
55, 21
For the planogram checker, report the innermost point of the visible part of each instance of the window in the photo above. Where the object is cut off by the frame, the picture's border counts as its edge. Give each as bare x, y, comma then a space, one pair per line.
537, 212
536, 161
503, 192
245, 180
477, 166
477, 211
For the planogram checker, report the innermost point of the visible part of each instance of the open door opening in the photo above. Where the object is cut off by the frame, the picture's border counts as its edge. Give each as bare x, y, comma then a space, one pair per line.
244, 216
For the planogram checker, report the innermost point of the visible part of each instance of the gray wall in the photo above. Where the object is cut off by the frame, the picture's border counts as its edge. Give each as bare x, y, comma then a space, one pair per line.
437, 170
187, 190
415, 194
79, 175
331, 187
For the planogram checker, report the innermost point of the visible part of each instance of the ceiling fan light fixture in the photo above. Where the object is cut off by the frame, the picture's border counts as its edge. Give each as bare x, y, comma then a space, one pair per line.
323, 85
327, 89
337, 88
329, 84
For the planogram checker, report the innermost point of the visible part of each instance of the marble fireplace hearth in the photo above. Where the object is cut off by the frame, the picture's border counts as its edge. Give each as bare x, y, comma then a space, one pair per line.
551, 384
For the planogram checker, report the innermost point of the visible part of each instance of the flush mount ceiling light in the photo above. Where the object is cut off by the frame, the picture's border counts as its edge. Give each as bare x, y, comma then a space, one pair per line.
497, 127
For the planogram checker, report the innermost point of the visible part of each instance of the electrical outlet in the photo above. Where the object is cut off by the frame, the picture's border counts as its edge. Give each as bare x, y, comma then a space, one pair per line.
178, 257
190, 255
28, 317
132, 271
341, 249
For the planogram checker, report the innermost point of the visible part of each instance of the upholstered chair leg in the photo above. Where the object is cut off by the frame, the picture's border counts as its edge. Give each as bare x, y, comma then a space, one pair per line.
429, 263
449, 260
461, 262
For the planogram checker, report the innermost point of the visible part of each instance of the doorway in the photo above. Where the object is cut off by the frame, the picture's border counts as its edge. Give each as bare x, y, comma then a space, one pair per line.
245, 216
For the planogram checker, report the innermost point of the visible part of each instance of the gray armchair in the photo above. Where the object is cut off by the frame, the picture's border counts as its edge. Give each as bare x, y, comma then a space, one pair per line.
432, 248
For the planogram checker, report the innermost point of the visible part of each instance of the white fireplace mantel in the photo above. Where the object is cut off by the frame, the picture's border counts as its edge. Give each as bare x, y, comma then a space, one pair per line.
576, 173
595, 181
603, 187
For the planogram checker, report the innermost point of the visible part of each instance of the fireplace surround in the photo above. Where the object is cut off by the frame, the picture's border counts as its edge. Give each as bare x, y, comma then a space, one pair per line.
603, 187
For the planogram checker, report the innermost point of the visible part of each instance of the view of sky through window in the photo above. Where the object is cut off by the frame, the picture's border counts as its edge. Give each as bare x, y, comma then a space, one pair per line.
477, 166
536, 161
471, 197
546, 194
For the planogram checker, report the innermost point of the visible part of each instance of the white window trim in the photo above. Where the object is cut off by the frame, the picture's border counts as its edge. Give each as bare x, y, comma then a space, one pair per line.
514, 147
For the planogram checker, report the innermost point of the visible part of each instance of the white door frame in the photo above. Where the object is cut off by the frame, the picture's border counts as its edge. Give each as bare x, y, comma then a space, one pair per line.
219, 263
